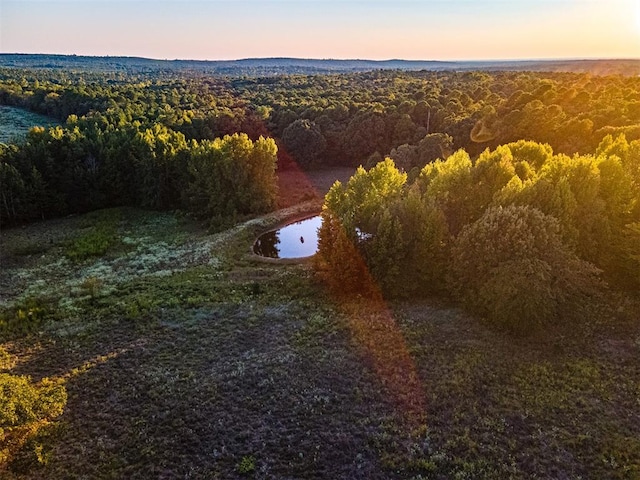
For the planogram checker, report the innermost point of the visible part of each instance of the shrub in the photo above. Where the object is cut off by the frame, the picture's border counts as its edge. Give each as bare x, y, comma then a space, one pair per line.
91, 286
511, 266
24, 318
94, 243
24, 408
101, 237
6, 360
22, 402
247, 465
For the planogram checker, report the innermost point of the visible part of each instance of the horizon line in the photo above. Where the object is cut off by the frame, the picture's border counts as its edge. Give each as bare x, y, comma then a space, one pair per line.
524, 59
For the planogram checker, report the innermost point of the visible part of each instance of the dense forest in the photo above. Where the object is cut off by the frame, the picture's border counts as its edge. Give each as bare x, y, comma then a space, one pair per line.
520, 235
137, 144
139, 139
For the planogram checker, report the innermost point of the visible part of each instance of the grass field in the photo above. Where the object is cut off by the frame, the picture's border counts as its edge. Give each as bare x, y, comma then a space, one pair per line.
185, 357
16, 122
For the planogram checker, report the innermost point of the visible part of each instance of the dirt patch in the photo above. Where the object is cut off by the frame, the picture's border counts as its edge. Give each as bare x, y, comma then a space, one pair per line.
296, 185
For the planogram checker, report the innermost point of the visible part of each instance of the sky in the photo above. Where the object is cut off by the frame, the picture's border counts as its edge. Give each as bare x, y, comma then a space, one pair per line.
347, 29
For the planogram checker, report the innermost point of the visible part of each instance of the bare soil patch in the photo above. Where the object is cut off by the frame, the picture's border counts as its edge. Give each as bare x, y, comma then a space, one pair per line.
296, 185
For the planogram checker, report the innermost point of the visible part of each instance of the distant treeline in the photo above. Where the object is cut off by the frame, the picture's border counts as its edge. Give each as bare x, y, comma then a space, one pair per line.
257, 67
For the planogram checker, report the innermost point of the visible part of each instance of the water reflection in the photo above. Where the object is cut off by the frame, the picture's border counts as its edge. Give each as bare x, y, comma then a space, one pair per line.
296, 240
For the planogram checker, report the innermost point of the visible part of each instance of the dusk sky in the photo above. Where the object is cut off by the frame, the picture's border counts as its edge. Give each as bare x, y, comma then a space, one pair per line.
377, 29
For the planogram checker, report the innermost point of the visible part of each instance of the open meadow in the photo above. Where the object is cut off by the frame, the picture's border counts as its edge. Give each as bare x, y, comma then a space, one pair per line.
185, 357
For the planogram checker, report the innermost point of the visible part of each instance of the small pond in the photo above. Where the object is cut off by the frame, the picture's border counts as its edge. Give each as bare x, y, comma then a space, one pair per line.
296, 240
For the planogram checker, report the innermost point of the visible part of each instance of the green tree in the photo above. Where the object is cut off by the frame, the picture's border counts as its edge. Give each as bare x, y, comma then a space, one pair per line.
161, 168
434, 146
512, 266
449, 185
231, 176
408, 252
12, 194
365, 134
352, 216
304, 140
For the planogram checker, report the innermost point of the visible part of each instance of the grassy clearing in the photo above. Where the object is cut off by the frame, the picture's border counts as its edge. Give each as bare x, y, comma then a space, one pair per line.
184, 358
16, 122
100, 237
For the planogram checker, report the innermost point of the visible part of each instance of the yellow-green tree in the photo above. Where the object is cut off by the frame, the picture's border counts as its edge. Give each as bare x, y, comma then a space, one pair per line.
351, 217
232, 176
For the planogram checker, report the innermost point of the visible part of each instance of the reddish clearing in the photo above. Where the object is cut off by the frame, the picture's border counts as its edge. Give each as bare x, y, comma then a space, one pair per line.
296, 186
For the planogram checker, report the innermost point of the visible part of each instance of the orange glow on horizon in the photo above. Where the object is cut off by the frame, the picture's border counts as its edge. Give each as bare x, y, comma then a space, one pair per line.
381, 30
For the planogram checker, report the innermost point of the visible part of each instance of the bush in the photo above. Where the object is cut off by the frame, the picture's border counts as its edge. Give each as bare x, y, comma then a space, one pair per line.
24, 408
512, 267
6, 360
93, 244
247, 465
98, 240
91, 286
23, 318
22, 402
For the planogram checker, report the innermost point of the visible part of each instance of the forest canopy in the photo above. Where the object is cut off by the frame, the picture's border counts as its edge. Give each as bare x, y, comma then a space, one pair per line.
545, 166
135, 138
520, 235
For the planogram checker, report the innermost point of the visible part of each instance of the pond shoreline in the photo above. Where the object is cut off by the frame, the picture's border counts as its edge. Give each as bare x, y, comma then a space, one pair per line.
283, 222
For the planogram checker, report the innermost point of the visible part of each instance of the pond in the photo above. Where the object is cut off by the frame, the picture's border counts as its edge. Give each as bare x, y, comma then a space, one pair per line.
296, 240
